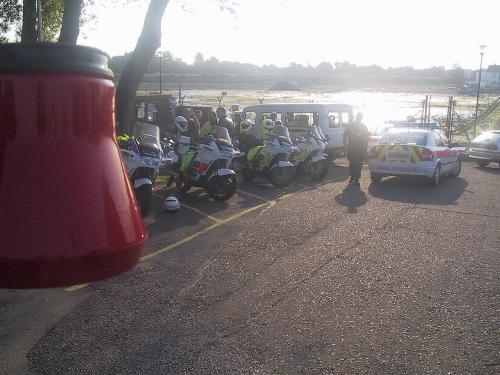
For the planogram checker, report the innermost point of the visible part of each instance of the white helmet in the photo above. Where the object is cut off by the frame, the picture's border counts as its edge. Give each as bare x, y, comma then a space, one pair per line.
171, 204
181, 124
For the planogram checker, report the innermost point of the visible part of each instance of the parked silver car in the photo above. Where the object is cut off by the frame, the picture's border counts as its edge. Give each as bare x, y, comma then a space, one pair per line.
485, 148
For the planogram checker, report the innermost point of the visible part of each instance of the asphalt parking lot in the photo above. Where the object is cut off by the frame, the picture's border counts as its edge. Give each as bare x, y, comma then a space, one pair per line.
325, 277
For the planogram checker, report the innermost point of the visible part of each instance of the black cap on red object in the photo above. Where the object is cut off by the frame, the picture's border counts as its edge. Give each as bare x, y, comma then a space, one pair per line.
53, 58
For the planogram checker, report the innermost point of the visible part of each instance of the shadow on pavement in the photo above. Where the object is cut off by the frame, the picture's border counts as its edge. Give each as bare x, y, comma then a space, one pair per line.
492, 168
351, 197
418, 190
263, 188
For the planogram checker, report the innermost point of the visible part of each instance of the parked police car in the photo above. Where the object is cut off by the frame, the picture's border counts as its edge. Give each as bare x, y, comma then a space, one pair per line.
414, 152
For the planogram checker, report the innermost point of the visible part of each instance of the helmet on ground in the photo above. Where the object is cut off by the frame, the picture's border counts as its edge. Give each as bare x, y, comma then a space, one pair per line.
171, 204
181, 123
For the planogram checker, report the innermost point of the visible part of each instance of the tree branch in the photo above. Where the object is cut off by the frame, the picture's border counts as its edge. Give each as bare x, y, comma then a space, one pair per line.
28, 33
71, 21
136, 66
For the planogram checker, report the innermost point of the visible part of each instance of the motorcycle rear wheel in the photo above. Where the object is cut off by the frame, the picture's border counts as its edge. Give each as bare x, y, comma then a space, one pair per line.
248, 174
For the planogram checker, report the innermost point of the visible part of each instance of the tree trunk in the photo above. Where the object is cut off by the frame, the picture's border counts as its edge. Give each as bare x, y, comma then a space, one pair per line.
71, 21
28, 33
136, 66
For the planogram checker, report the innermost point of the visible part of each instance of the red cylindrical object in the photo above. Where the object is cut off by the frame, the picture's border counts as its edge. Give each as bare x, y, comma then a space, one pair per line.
67, 211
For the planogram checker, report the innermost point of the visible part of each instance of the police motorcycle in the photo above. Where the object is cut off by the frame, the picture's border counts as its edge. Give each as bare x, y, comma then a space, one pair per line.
205, 165
142, 161
269, 159
309, 155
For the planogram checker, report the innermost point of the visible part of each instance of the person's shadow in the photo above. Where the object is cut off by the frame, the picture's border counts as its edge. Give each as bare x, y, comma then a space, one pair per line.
352, 197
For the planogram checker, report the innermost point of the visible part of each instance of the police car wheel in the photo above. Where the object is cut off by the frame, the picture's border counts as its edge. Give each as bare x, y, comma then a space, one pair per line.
376, 178
458, 169
436, 178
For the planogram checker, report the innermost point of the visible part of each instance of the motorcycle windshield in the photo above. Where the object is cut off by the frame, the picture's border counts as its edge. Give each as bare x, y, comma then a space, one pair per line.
221, 136
281, 132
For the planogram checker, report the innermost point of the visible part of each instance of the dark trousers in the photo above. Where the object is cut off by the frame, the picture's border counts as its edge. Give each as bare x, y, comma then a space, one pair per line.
355, 165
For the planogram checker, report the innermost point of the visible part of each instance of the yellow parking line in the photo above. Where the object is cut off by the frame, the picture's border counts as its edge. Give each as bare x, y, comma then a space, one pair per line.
253, 195
75, 287
180, 242
198, 234
248, 210
201, 212
203, 231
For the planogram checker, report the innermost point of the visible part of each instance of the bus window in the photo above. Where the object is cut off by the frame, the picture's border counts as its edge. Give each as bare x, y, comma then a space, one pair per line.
300, 120
250, 116
345, 118
266, 115
334, 119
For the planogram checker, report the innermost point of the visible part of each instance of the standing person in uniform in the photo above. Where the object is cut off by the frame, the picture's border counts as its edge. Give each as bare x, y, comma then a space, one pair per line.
237, 125
224, 121
208, 127
199, 115
356, 137
193, 125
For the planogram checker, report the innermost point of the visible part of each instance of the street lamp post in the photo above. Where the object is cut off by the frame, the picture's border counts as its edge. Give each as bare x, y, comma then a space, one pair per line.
160, 72
481, 49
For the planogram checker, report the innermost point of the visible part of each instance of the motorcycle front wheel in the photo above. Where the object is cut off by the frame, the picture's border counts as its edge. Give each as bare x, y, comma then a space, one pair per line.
143, 196
281, 177
221, 188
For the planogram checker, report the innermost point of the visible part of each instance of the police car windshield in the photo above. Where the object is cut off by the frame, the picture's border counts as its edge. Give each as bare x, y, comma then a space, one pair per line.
405, 137
382, 129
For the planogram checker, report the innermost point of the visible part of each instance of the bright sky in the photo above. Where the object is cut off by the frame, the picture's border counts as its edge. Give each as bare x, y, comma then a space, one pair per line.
419, 33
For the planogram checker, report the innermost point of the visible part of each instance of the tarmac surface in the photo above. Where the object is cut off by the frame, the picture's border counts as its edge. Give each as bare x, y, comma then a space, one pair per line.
319, 278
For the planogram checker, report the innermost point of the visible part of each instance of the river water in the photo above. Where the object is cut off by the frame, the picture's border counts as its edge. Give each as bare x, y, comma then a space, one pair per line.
377, 107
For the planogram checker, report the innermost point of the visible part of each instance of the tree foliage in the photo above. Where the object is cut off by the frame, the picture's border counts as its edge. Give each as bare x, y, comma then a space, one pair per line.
52, 16
324, 73
10, 15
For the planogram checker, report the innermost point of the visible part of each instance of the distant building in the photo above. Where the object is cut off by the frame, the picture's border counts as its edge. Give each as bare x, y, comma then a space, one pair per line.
489, 77
468, 74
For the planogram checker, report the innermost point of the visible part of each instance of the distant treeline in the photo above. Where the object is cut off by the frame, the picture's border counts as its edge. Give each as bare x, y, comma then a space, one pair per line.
341, 73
